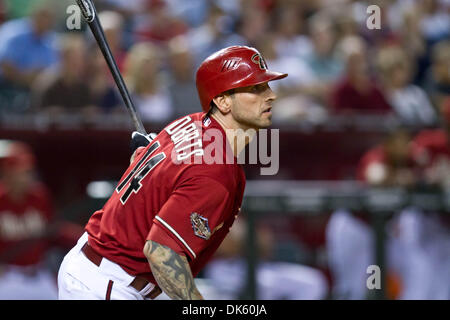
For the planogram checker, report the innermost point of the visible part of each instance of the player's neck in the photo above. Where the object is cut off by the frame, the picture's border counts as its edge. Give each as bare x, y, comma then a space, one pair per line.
237, 137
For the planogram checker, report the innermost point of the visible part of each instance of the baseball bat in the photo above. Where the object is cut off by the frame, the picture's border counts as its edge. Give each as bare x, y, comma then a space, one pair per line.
90, 15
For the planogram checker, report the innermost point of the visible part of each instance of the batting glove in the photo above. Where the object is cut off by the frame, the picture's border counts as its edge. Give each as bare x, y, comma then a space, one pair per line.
140, 140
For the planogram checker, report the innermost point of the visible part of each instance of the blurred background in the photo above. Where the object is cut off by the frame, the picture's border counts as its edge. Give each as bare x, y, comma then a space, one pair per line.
364, 148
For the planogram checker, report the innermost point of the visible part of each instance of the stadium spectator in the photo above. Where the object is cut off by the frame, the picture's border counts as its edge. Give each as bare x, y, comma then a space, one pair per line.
181, 82
101, 83
104, 92
29, 51
389, 163
213, 35
435, 20
113, 27
28, 228
289, 29
325, 66
158, 24
64, 90
356, 91
410, 34
142, 72
253, 25
346, 24
2, 12
126, 8
437, 81
410, 102
17, 9
193, 12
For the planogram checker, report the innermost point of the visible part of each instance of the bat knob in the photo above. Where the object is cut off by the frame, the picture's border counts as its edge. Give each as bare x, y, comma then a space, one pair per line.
87, 10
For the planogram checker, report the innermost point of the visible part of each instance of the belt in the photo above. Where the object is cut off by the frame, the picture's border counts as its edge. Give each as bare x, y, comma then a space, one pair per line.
138, 283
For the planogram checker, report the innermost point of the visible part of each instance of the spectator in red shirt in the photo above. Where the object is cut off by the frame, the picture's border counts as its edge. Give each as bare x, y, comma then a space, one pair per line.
27, 228
356, 92
389, 163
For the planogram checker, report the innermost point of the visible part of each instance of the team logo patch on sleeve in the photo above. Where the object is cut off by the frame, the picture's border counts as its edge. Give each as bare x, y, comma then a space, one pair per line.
200, 226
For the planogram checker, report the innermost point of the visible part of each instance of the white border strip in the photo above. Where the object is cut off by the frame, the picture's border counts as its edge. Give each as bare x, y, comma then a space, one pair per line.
176, 234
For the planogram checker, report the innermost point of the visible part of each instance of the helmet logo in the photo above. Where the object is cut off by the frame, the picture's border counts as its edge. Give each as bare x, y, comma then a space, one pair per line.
230, 64
259, 60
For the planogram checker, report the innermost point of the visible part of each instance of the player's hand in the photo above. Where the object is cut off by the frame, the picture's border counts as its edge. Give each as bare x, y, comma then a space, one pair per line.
140, 140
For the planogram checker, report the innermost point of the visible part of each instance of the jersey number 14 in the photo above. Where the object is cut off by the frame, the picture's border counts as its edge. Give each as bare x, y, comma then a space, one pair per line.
132, 181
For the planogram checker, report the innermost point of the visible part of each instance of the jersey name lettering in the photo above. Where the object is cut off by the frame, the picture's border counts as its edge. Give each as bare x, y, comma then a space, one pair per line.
186, 138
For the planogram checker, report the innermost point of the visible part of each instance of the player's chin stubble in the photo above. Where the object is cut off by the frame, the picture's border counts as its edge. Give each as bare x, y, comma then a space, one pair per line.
249, 118
255, 123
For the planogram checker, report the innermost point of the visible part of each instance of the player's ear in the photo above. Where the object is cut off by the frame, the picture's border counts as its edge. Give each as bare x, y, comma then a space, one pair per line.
223, 102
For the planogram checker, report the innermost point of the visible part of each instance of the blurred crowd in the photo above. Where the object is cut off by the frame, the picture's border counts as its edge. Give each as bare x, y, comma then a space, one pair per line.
416, 239
51, 68
50, 64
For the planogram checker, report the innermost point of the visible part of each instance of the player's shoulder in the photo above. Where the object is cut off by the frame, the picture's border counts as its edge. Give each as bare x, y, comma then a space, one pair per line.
219, 171
227, 175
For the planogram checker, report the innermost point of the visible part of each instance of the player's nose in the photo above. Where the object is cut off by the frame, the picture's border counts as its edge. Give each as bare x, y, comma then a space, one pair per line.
270, 95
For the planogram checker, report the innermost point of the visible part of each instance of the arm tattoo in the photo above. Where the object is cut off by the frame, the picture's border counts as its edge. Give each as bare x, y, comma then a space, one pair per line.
172, 272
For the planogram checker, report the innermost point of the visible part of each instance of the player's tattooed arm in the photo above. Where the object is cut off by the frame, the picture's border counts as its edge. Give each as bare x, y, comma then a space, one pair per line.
172, 272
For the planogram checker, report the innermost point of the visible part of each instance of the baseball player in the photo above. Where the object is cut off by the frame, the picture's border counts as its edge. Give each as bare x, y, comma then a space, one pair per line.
25, 211
172, 207
28, 227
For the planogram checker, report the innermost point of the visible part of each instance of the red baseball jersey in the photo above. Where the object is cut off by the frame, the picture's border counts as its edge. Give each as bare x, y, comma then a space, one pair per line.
181, 191
21, 223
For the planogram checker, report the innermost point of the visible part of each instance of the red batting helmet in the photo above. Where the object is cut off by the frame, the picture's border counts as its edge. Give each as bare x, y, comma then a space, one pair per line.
16, 155
230, 68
